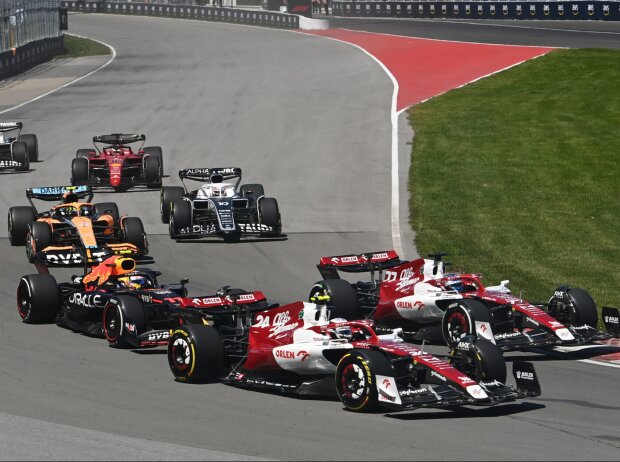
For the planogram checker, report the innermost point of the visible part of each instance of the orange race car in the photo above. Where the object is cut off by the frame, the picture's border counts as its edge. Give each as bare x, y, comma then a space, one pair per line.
73, 225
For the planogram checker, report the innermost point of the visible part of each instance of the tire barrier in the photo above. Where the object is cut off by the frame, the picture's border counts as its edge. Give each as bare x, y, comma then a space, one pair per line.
559, 10
207, 13
20, 59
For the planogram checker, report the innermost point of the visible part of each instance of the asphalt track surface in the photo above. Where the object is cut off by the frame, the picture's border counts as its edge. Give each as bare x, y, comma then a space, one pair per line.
310, 119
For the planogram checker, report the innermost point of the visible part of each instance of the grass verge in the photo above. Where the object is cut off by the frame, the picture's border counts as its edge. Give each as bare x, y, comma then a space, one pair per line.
517, 176
77, 47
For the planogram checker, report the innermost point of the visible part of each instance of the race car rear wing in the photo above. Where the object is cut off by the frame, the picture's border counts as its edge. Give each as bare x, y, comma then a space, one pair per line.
204, 174
8, 126
118, 138
372, 261
56, 193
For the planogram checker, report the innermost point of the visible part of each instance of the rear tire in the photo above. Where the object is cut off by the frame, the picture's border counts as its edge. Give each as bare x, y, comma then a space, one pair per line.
343, 301
83, 153
196, 353
133, 230
39, 237
79, 171
126, 310
356, 379
37, 298
180, 216
20, 154
168, 195
32, 146
18, 220
460, 318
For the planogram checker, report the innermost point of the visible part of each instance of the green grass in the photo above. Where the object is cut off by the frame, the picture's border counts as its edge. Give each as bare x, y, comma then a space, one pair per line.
517, 176
77, 47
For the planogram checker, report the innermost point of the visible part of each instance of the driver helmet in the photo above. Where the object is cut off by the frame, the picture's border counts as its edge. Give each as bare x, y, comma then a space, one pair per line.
342, 331
135, 281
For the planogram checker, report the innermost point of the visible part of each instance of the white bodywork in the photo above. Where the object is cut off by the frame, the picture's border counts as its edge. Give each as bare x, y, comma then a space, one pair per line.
216, 190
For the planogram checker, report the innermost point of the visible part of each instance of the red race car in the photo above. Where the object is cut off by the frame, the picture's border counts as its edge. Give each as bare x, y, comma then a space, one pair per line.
116, 165
432, 305
297, 349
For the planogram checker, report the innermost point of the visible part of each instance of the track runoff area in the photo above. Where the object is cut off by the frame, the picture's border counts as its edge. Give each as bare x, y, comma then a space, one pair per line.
421, 69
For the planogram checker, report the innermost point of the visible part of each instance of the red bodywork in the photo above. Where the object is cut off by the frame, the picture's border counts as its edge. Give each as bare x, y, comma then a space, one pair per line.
116, 159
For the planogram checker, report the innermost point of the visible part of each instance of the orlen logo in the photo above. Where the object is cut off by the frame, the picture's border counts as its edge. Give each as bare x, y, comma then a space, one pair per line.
386, 383
303, 354
525, 375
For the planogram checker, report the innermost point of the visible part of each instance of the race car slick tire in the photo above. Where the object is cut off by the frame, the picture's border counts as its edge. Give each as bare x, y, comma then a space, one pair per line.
152, 172
460, 318
195, 353
252, 191
343, 302
39, 237
37, 298
18, 220
119, 313
83, 153
133, 230
155, 151
584, 308
269, 213
483, 361
356, 379
168, 195
20, 154
32, 146
180, 216
105, 208
79, 171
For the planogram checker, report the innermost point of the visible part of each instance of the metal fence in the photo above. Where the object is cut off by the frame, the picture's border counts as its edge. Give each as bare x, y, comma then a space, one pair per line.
25, 21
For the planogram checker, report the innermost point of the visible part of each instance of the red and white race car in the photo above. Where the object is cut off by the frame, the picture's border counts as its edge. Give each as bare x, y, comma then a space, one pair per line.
116, 165
430, 304
296, 349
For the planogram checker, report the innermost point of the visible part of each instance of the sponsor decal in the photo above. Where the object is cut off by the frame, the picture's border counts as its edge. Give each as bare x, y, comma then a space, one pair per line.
444, 8
606, 10
413, 392
505, 9
207, 300
409, 305
468, 9
130, 327
304, 354
564, 334
432, 9
477, 392
421, 9
546, 10
156, 336
10, 124
438, 375
146, 298
590, 9
519, 9
9, 163
456, 9
507, 335
611, 320
465, 379
532, 10
86, 300
561, 10
492, 9
575, 9
480, 11
285, 354
522, 375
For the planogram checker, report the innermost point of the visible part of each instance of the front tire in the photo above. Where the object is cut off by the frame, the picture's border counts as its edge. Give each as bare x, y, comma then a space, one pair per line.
196, 353
20, 154
133, 230
583, 306
481, 360
269, 213
180, 216
155, 151
79, 171
119, 313
32, 146
342, 302
39, 237
37, 298
460, 318
356, 379
168, 195
152, 172
19, 219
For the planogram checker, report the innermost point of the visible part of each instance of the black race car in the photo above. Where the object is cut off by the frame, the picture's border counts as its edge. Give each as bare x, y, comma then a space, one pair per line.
219, 208
127, 305
17, 151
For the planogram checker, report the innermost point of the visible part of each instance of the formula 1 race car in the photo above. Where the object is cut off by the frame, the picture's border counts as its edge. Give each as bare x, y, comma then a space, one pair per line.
116, 165
296, 349
218, 208
73, 225
439, 307
127, 305
17, 151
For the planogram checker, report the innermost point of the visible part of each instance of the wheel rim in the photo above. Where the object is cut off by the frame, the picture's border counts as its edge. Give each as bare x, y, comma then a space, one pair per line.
112, 322
458, 326
23, 301
180, 355
31, 246
353, 382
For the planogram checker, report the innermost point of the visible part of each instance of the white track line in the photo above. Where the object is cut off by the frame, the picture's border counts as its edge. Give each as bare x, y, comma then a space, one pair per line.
73, 81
